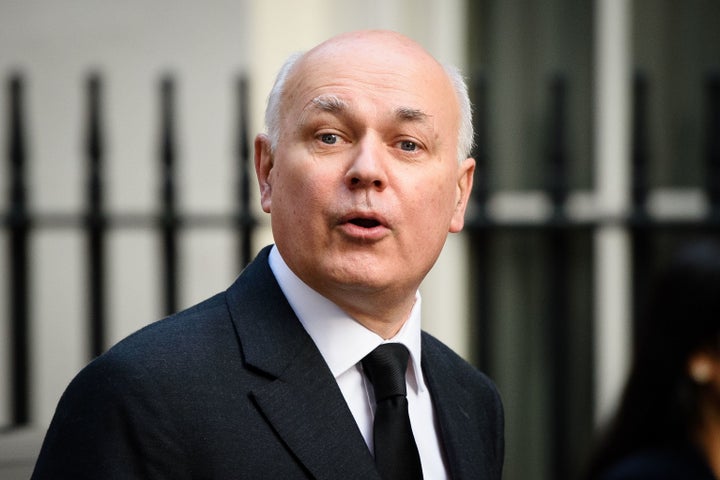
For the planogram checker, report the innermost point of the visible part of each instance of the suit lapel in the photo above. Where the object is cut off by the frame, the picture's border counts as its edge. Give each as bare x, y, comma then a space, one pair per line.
302, 401
460, 430
311, 416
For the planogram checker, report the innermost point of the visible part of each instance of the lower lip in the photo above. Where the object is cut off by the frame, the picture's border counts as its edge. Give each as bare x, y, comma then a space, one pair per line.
357, 232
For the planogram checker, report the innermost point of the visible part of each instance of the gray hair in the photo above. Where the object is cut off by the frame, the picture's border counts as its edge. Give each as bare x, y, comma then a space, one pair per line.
465, 134
274, 102
466, 138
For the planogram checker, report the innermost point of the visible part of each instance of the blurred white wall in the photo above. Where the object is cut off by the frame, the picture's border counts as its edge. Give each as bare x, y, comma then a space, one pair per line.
54, 45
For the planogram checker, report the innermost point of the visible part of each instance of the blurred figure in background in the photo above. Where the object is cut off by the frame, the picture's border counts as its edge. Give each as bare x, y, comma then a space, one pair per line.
668, 423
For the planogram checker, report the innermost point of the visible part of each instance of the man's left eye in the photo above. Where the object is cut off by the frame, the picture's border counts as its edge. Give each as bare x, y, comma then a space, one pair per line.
329, 138
408, 146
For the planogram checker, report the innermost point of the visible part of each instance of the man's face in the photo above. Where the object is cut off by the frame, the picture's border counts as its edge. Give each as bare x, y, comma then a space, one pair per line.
364, 184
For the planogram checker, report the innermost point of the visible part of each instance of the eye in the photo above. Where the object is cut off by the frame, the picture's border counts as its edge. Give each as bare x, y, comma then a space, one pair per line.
329, 138
408, 146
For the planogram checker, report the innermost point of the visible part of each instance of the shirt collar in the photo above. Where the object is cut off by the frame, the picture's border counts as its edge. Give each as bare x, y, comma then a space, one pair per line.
330, 327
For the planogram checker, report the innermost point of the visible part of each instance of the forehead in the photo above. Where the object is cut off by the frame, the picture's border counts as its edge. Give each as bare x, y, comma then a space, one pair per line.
391, 77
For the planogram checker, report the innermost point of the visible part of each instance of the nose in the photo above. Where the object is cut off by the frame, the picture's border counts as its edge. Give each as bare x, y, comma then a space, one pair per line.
367, 168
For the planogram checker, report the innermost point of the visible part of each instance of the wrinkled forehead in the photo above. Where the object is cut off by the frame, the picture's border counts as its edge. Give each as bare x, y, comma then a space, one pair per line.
396, 71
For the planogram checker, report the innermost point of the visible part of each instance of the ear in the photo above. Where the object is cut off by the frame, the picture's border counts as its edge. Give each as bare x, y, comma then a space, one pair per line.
466, 169
264, 162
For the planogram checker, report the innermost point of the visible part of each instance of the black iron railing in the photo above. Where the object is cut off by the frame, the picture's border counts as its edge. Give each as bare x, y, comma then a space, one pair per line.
97, 223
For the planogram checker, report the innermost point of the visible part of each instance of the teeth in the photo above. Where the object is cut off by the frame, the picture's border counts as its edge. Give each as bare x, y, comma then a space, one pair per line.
365, 222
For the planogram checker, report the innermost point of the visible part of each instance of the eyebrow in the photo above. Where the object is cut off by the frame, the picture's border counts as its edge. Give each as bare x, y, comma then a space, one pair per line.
335, 105
323, 103
410, 114
329, 103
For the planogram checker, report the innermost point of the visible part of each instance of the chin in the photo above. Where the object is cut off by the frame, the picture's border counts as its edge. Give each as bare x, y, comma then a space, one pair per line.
359, 277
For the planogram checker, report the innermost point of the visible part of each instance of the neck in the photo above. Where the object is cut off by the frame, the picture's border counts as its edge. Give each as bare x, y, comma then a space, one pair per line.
384, 316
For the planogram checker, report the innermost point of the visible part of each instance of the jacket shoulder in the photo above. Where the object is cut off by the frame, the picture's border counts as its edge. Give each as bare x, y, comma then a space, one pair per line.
442, 356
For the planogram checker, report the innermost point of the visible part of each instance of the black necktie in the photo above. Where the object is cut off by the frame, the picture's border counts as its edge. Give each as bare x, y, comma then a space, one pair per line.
396, 455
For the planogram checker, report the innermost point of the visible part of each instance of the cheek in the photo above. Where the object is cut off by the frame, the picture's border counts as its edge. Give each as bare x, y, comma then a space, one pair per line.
431, 214
437, 200
297, 194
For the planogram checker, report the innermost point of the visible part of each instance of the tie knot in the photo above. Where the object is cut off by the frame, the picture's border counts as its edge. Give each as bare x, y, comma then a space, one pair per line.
385, 368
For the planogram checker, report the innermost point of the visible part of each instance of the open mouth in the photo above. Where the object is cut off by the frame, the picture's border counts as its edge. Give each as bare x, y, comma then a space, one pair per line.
365, 222
364, 226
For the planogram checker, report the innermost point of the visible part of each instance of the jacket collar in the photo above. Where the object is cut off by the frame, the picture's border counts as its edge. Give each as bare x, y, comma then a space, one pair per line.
301, 399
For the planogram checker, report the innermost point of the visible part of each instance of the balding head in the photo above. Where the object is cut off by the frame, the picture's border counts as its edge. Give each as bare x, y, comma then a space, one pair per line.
387, 49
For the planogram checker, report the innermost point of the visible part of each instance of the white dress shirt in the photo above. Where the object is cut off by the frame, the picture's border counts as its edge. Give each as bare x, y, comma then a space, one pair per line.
343, 342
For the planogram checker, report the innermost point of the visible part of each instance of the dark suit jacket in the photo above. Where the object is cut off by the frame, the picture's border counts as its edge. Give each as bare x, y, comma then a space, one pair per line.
235, 388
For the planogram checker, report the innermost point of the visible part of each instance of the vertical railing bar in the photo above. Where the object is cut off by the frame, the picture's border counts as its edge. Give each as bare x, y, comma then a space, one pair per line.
95, 222
557, 183
480, 239
19, 281
557, 237
558, 351
639, 174
641, 244
479, 95
712, 145
168, 217
245, 220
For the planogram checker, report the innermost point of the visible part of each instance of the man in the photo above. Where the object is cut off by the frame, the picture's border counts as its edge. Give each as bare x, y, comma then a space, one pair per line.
364, 170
